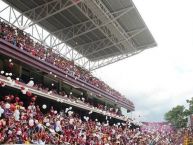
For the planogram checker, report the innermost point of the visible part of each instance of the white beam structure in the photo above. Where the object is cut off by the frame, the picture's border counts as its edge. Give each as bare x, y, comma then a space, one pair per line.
116, 24
102, 19
90, 10
70, 33
45, 11
98, 46
102, 63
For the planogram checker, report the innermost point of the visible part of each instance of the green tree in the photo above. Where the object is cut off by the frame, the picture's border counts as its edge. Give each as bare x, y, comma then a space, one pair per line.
176, 116
190, 106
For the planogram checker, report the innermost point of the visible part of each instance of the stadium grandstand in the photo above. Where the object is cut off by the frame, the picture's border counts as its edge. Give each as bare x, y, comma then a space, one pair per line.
81, 36
48, 50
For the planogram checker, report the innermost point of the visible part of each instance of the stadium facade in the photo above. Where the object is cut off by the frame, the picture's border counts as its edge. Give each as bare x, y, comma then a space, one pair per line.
88, 34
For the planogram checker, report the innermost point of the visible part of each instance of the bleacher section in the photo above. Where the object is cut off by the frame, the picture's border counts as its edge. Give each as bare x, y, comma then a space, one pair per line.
42, 58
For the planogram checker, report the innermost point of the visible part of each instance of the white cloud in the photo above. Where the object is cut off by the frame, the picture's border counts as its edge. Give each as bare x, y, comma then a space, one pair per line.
159, 78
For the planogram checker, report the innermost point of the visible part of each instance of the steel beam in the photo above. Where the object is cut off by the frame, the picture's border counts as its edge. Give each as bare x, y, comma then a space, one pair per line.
93, 65
111, 61
112, 55
93, 23
81, 24
85, 27
81, 46
116, 24
110, 45
4, 9
46, 10
106, 62
83, 7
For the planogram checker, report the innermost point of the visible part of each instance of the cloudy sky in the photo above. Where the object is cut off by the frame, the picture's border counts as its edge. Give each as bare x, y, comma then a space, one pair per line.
159, 78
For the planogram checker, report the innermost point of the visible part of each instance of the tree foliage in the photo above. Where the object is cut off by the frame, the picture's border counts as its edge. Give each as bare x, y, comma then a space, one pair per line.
190, 104
177, 116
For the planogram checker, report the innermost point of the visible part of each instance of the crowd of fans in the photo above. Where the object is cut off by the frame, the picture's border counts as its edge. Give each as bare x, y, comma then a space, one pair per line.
22, 40
60, 96
156, 126
188, 136
24, 125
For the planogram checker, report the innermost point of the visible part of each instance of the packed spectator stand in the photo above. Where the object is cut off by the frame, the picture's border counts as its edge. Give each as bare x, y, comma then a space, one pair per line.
22, 40
35, 123
6, 79
26, 123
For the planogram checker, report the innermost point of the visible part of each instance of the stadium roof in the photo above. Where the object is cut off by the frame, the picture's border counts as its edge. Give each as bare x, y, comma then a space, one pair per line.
92, 33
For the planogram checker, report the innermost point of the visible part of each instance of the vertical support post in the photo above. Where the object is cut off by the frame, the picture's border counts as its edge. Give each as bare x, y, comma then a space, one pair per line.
89, 65
22, 20
42, 33
9, 14
51, 41
72, 54
32, 30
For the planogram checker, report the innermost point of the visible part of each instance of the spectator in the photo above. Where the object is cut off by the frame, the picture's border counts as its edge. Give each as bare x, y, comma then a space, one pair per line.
18, 38
19, 125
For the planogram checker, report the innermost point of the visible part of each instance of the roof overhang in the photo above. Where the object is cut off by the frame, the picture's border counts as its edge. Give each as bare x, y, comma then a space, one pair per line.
97, 30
